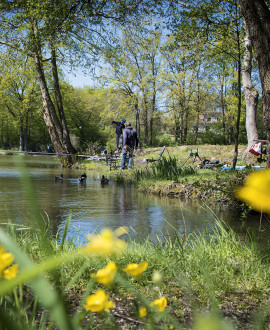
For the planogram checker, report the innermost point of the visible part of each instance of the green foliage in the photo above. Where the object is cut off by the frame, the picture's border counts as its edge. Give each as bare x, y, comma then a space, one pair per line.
22, 125
164, 140
83, 111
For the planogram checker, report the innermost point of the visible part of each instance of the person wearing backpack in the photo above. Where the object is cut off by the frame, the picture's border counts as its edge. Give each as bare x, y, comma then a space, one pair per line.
120, 125
130, 141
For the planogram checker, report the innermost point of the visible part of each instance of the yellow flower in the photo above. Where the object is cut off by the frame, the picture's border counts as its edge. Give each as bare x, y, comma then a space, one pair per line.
159, 304
6, 259
106, 275
106, 244
10, 272
142, 312
98, 302
136, 269
256, 191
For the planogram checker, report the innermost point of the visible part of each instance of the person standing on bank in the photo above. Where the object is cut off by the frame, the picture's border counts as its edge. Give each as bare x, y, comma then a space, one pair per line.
120, 125
130, 141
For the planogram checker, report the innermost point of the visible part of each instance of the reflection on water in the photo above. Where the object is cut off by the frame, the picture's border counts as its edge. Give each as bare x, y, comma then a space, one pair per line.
93, 206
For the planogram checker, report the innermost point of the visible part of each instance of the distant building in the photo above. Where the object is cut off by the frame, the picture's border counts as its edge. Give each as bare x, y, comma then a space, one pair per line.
207, 119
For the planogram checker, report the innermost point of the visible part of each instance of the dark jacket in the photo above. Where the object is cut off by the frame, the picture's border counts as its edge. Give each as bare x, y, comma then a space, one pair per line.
119, 127
130, 137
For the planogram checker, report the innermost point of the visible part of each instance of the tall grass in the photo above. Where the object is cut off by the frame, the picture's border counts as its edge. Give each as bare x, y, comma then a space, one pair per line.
164, 169
199, 272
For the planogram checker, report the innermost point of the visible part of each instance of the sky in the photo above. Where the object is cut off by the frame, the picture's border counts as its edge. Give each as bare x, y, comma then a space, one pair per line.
79, 79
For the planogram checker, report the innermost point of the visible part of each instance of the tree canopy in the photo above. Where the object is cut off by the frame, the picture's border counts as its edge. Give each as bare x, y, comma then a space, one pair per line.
171, 68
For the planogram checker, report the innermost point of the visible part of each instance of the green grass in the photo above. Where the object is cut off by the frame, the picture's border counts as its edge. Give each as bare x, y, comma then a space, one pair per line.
202, 272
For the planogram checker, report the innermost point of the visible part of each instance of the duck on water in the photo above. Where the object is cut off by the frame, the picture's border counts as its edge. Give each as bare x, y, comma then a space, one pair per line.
58, 178
104, 180
82, 178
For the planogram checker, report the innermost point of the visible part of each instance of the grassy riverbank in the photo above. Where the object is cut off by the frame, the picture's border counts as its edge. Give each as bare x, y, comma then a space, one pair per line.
210, 185
206, 278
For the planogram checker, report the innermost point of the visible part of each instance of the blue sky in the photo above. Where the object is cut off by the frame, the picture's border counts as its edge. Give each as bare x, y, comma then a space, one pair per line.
79, 79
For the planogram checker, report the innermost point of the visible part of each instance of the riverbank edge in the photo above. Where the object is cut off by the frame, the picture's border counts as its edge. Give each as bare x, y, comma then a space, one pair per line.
206, 190
212, 185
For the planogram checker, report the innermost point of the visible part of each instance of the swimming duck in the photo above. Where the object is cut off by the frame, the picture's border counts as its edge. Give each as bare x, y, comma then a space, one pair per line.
58, 178
104, 180
83, 177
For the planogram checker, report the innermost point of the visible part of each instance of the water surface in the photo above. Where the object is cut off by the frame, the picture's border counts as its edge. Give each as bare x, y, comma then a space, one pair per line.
93, 206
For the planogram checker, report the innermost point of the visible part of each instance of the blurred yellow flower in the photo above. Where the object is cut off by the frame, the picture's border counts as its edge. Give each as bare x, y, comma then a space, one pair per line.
136, 269
6, 260
98, 302
106, 243
142, 312
159, 304
256, 191
156, 277
11, 272
106, 275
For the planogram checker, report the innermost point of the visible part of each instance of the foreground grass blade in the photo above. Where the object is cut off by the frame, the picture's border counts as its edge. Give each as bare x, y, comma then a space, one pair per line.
31, 274
33, 204
65, 232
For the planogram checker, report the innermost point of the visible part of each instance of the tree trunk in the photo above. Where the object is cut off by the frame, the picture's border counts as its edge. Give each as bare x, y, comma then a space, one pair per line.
51, 120
151, 131
48, 110
181, 136
239, 70
222, 96
65, 132
185, 127
145, 120
257, 17
137, 119
176, 127
236, 140
251, 95
196, 130
21, 135
198, 107
25, 133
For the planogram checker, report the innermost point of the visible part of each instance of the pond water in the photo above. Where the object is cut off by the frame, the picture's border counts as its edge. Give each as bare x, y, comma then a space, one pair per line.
93, 206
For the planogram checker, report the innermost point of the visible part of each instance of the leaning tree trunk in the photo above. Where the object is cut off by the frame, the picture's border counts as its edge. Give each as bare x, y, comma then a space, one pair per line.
65, 132
251, 95
257, 17
48, 110
51, 119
